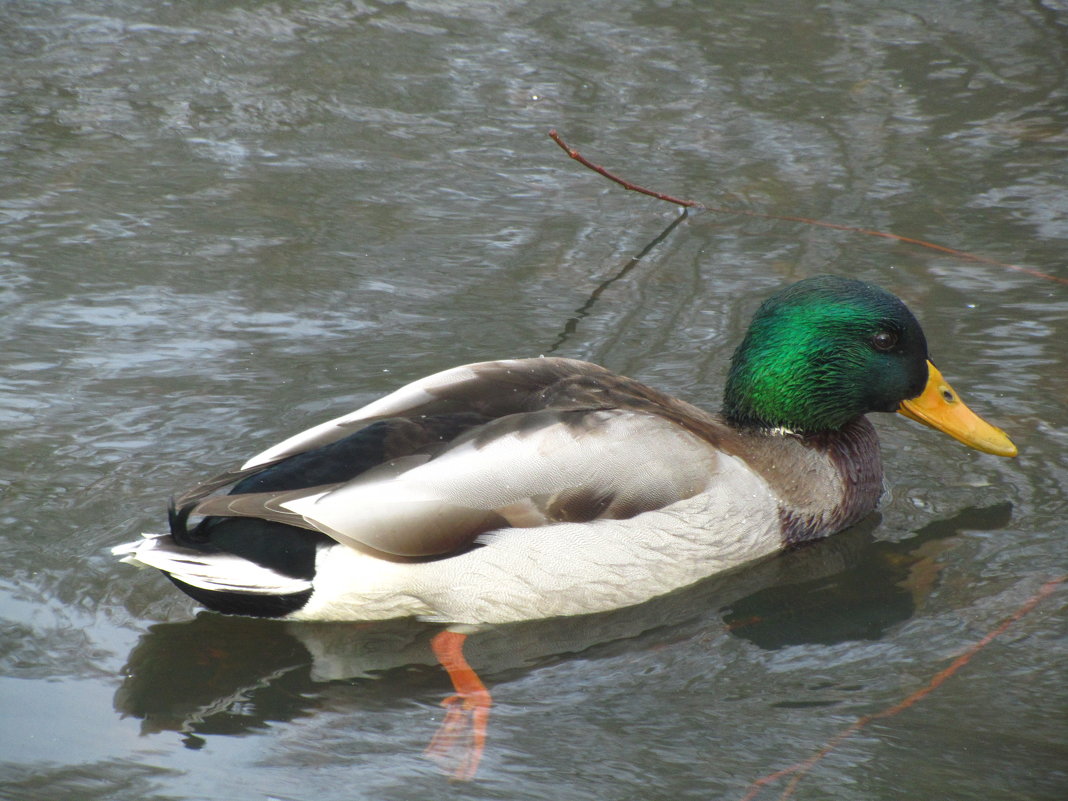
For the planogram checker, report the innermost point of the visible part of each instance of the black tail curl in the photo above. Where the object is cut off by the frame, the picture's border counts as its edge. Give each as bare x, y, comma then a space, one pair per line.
178, 519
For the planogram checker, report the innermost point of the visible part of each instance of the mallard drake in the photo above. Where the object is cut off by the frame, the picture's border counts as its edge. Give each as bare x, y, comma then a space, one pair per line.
513, 490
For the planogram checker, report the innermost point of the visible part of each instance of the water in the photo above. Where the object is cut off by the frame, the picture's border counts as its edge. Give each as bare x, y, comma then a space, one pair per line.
222, 222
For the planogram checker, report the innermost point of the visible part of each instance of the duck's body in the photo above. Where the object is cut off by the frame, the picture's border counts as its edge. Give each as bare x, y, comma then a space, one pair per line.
514, 490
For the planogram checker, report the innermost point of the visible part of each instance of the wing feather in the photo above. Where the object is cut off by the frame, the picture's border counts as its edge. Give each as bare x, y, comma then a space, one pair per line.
418, 397
521, 470
493, 389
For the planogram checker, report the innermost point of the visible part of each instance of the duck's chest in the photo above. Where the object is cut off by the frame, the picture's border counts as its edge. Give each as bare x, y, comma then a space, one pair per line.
822, 484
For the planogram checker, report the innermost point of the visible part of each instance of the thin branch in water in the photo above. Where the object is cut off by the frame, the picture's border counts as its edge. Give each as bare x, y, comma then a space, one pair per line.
582, 311
693, 204
597, 168
800, 769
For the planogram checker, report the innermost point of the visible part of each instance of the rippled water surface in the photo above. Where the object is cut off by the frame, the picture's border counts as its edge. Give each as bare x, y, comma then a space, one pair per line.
223, 221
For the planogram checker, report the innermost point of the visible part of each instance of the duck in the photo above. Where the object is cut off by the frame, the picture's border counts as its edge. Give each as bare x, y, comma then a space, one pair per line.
523, 489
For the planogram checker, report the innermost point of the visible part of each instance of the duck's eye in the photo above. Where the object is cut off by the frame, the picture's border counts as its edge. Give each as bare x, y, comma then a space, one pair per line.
884, 340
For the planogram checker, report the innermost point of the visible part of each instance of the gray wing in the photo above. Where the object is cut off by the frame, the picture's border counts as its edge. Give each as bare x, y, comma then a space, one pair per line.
561, 441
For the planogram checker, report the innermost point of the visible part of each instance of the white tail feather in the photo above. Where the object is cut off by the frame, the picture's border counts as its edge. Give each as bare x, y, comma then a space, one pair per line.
218, 572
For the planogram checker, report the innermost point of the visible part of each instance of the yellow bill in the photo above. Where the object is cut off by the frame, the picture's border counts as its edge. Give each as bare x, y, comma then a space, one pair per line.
940, 407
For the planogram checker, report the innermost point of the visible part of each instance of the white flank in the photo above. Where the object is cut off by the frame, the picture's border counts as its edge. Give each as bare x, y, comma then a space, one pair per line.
561, 569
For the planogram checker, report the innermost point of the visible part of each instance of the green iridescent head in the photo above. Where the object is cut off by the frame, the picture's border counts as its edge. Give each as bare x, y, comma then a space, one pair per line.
822, 352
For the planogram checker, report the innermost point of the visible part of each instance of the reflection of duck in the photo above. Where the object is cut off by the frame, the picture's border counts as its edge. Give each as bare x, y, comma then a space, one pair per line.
516, 490
229, 675
884, 584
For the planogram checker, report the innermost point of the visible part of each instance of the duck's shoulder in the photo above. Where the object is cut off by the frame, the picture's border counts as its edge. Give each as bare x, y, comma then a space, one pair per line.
581, 385
822, 482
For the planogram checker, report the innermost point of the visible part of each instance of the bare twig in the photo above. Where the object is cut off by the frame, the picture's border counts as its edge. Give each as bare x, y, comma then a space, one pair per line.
693, 204
597, 168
